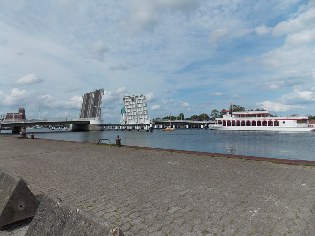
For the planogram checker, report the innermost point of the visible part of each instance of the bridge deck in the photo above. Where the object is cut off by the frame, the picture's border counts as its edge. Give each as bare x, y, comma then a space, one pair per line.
31, 123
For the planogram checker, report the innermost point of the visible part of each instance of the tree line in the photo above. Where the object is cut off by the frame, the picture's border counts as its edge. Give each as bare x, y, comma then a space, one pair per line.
181, 116
215, 114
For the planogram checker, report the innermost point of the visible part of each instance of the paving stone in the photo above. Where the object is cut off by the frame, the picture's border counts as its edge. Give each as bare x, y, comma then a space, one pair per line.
141, 191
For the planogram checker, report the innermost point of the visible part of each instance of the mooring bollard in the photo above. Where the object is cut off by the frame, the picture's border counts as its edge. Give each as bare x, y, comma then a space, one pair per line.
118, 141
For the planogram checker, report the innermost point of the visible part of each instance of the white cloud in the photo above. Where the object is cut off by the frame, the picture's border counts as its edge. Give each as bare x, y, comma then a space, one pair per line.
262, 30
217, 94
297, 99
150, 97
276, 84
114, 97
18, 92
155, 107
185, 104
297, 53
48, 101
299, 96
276, 106
15, 98
301, 38
303, 20
292, 79
29, 79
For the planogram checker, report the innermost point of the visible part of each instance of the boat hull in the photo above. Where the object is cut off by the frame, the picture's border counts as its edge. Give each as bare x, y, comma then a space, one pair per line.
168, 129
262, 128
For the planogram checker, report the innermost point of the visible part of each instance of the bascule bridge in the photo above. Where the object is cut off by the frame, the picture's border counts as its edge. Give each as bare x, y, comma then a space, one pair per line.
90, 117
91, 111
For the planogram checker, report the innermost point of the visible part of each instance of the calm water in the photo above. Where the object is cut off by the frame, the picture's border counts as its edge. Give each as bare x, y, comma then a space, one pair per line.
262, 144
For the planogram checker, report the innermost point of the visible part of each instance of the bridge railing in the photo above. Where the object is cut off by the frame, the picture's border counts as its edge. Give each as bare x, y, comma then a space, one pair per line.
13, 121
5, 121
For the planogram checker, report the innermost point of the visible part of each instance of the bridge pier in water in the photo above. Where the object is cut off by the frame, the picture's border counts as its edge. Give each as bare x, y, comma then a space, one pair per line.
86, 127
16, 129
94, 125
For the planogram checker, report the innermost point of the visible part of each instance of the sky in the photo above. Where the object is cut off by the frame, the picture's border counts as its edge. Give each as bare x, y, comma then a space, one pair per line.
185, 56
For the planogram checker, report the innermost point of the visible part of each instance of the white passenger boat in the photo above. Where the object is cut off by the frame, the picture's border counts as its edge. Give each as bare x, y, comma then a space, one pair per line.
262, 121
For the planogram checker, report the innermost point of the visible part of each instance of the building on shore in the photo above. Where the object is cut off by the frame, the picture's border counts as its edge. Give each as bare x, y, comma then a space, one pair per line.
20, 115
134, 110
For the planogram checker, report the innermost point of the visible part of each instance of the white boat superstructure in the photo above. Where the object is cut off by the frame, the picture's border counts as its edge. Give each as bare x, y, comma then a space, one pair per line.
261, 121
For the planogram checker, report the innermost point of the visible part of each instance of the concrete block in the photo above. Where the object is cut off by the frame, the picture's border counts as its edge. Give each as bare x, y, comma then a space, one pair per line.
56, 218
17, 202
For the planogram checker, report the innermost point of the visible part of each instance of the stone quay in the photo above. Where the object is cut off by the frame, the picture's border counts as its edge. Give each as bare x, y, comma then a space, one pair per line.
163, 192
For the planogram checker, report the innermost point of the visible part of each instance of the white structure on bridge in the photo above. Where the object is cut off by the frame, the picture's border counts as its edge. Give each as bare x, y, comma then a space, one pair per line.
134, 110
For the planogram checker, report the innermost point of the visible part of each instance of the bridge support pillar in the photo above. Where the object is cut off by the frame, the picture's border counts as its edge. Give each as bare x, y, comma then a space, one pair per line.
80, 127
87, 127
16, 129
96, 127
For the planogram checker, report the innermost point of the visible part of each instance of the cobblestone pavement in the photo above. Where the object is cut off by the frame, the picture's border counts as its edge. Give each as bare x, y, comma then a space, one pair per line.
151, 192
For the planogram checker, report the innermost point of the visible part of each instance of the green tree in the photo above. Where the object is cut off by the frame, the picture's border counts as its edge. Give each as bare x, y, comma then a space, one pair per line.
181, 116
204, 116
200, 117
169, 118
214, 114
237, 108
311, 117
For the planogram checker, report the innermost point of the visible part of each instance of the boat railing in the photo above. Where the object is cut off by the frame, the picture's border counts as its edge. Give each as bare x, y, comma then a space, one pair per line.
304, 125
